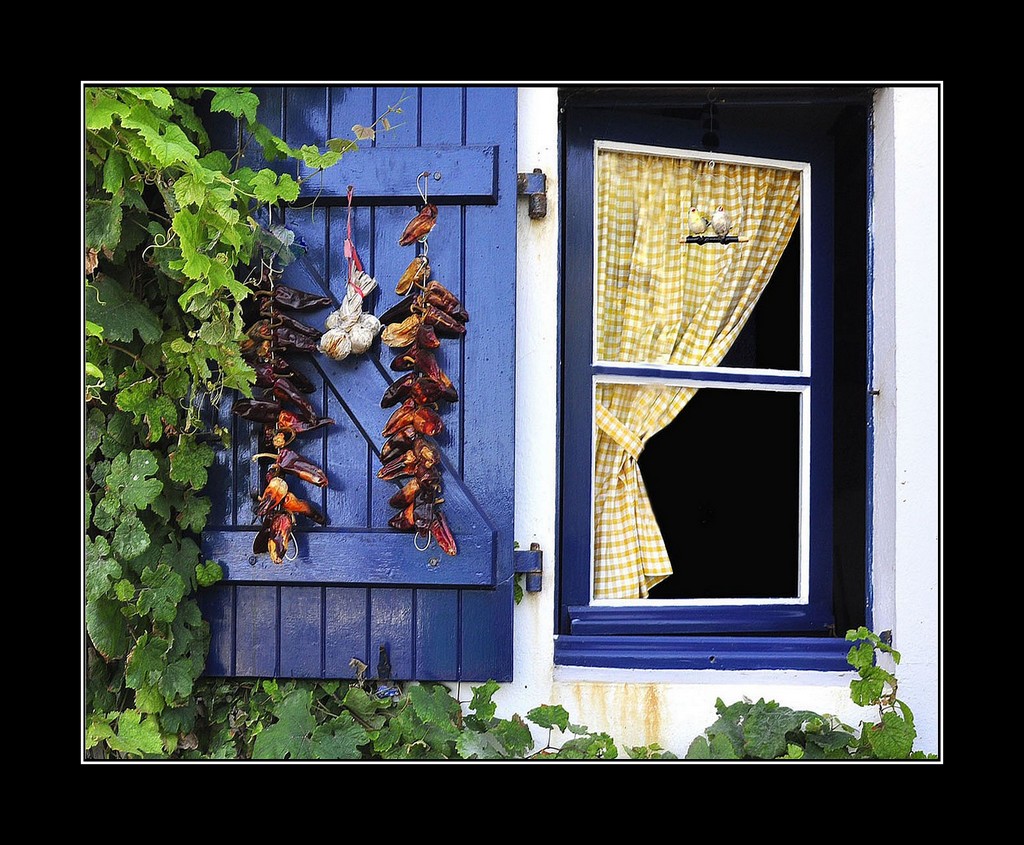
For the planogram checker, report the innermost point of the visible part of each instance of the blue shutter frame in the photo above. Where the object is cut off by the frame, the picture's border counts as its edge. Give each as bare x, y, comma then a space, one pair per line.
357, 584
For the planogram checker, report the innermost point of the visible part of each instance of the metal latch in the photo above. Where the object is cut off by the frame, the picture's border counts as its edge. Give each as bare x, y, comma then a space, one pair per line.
535, 186
531, 564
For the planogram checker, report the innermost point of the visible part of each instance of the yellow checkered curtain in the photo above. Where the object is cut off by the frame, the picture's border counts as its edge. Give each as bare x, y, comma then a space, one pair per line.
660, 301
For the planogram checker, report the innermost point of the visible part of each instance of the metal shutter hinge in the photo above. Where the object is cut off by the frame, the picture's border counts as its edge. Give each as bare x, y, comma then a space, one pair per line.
531, 564
535, 187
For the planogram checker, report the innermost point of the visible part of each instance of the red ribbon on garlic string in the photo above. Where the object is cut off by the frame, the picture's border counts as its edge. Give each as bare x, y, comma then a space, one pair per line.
350, 330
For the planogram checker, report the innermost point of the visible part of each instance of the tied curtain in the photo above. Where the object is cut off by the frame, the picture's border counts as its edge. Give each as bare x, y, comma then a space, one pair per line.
663, 301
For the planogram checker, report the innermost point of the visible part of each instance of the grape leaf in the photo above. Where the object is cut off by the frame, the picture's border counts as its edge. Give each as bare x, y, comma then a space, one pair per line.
342, 145
121, 314
102, 224
339, 739
892, 738
550, 716
100, 569
312, 156
131, 538
95, 425
159, 97
193, 512
481, 703
363, 133
478, 746
115, 172
766, 726
268, 188
176, 681
136, 736
237, 102
129, 478
189, 462
106, 626
146, 661
514, 735
209, 573
171, 146
435, 705
288, 737
100, 110
163, 589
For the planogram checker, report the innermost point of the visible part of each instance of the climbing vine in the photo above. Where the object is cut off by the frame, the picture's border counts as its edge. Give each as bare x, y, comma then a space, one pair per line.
171, 229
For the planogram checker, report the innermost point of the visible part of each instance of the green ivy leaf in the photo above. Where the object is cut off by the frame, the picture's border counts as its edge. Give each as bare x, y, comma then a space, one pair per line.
288, 737
100, 570
698, 750
146, 662
171, 146
238, 102
162, 591
106, 626
209, 573
136, 736
189, 462
550, 716
121, 314
364, 706
130, 538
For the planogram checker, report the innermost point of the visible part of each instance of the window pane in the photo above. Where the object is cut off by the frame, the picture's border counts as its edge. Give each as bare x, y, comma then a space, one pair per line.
723, 480
662, 299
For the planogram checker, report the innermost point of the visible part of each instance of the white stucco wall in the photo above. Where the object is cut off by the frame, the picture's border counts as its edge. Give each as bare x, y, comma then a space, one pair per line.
671, 708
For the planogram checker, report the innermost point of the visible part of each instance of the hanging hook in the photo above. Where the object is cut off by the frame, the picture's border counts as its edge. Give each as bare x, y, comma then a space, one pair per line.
416, 543
425, 176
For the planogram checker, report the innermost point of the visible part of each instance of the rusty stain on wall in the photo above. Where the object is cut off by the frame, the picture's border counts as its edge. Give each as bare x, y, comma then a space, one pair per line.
630, 712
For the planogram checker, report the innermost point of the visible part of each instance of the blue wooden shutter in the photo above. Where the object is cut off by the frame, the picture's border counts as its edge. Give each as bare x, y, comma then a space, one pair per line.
358, 584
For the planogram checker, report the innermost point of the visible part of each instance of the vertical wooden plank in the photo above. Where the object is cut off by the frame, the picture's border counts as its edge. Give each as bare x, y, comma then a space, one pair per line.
217, 606
345, 631
219, 484
346, 464
301, 632
256, 626
306, 116
349, 106
488, 413
391, 625
437, 647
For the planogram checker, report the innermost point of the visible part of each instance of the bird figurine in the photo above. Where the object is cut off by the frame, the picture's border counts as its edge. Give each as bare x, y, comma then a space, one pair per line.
721, 222
420, 226
697, 222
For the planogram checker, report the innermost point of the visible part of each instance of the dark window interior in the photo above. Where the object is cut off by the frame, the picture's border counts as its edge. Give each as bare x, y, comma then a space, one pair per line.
723, 479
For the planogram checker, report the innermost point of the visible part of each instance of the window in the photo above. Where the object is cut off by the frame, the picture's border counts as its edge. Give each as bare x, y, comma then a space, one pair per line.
714, 399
